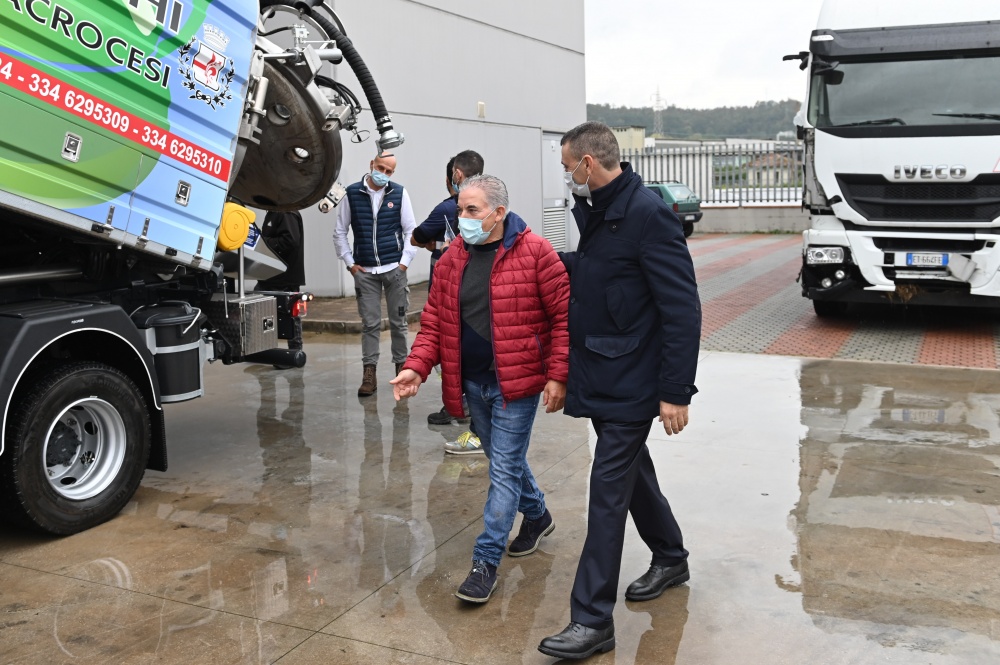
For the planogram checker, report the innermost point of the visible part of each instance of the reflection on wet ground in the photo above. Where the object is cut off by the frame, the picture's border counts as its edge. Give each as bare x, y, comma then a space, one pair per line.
835, 512
898, 521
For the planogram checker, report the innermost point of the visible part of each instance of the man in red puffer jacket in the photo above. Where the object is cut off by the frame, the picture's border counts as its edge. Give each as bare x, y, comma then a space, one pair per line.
496, 321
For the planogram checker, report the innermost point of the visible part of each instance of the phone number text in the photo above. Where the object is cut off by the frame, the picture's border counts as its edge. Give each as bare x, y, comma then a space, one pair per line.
27, 79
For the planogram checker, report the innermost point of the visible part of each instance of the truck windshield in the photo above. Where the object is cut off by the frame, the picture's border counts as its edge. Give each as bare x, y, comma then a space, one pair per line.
943, 91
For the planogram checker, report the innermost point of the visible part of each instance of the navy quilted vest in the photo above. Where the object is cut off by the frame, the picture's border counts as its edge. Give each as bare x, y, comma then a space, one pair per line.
378, 240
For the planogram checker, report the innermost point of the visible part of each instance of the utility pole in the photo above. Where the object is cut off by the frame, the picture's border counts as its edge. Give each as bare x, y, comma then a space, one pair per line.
658, 108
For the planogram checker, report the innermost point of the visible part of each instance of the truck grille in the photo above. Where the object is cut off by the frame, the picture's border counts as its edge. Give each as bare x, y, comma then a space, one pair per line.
891, 244
879, 199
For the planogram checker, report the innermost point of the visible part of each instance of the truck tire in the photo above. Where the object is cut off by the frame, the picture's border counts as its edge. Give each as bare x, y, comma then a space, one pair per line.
77, 446
688, 229
829, 309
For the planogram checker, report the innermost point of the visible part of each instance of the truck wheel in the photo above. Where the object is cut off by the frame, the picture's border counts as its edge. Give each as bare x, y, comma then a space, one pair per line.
828, 309
77, 447
688, 229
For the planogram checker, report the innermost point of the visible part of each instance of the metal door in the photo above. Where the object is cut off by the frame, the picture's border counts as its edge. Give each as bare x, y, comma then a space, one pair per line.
558, 227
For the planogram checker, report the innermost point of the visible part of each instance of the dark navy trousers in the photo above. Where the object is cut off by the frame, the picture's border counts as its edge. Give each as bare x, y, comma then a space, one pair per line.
622, 482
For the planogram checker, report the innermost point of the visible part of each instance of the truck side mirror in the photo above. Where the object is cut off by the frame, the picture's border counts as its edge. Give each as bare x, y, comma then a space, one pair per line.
832, 76
803, 56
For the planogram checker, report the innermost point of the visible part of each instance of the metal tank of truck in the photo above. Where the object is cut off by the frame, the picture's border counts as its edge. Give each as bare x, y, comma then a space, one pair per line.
135, 137
902, 154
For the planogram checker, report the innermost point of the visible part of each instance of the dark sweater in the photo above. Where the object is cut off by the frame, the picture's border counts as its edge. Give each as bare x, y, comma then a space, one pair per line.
478, 363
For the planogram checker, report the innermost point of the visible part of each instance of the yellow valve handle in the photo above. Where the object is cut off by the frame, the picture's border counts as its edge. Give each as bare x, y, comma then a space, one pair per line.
235, 228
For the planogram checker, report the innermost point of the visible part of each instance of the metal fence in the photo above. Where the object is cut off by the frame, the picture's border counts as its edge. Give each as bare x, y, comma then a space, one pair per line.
727, 175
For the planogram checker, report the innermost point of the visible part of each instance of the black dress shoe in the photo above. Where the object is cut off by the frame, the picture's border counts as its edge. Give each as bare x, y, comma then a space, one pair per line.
576, 642
657, 580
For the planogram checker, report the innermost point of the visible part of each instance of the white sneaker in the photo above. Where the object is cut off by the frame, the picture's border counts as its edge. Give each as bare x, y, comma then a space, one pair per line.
466, 444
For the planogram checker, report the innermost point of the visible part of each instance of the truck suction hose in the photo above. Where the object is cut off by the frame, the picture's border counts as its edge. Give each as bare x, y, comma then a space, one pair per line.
388, 137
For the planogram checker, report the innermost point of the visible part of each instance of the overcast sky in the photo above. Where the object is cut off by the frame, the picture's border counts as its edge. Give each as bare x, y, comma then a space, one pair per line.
701, 53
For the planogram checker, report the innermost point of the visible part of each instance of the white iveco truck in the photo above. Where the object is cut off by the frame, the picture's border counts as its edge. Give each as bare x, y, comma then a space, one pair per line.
902, 154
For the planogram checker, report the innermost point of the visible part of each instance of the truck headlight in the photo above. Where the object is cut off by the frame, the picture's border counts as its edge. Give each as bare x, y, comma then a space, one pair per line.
821, 255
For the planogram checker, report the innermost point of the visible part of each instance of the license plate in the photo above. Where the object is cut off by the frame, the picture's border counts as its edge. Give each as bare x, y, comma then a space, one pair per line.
926, 259
919, 416
688, 218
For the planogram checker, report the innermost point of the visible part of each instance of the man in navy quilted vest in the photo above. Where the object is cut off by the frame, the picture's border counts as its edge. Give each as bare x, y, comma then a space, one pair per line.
379, 214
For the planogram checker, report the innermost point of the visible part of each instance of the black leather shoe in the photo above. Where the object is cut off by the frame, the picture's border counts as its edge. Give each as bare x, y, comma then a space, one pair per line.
442, 417
576, 642
657, 580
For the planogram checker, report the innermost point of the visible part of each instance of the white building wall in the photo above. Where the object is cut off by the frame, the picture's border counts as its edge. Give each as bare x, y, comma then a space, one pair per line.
434, 61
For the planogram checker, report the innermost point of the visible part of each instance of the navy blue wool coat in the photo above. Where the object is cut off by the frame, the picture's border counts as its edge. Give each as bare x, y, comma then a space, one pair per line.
634, 313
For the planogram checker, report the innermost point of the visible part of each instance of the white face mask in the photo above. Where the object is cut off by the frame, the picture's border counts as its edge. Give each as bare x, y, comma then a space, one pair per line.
575, 187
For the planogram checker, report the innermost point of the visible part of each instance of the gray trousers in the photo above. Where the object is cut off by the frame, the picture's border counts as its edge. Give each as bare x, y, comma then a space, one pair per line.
368, 288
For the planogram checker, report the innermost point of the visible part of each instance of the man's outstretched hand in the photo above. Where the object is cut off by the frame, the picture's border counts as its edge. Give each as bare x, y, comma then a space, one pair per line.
406, 384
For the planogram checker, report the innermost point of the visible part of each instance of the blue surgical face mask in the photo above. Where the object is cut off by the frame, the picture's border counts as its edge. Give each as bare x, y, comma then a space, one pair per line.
472, 229
380, 179
454, 187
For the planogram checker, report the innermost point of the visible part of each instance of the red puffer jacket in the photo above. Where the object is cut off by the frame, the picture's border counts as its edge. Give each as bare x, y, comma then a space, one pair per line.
529, 304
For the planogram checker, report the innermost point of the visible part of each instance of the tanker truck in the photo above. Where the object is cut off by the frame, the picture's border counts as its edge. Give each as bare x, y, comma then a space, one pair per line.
901, 130
137, 138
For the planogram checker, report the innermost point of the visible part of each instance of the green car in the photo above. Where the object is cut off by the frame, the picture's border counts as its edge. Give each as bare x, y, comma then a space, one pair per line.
681, 200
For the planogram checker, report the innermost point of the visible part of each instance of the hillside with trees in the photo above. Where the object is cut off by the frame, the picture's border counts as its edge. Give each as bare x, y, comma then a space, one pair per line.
763, 120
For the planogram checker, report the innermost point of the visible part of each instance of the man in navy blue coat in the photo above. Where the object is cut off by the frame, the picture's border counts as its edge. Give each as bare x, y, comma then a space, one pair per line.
634, 325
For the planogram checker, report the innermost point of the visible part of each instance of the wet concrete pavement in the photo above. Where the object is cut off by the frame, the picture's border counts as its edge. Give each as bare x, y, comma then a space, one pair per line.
836, 512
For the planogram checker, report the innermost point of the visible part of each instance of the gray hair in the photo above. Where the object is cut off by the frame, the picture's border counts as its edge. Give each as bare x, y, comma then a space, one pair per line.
595, 139
492, 187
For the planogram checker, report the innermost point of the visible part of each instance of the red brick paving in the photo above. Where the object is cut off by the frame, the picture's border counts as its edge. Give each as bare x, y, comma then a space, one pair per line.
970, 346
721, 311
813, 337
697, 250
710, 269
964, 343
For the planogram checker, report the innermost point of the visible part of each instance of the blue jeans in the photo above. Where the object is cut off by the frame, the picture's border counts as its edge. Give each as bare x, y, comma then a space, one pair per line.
504, 428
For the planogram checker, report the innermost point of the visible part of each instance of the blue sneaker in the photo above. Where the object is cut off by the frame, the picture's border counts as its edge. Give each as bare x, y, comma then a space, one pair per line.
480, 584
531, 534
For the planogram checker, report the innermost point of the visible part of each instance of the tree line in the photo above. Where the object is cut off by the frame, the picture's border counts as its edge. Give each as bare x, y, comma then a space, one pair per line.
761, 121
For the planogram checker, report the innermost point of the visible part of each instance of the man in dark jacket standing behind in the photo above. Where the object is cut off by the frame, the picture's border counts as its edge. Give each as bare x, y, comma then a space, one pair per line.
634, 325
